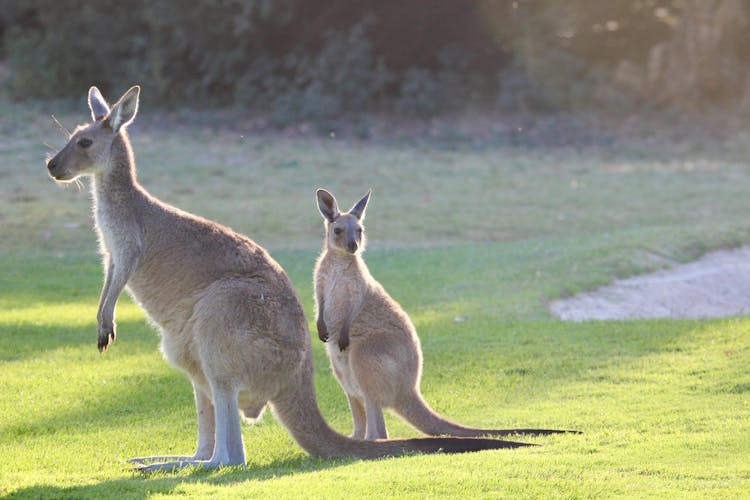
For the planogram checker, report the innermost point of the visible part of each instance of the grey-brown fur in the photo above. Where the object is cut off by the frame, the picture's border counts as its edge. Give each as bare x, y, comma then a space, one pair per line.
227, 313
373, 346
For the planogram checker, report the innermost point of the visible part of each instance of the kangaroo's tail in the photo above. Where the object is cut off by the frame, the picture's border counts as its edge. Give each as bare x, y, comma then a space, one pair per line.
297, 409
415, 410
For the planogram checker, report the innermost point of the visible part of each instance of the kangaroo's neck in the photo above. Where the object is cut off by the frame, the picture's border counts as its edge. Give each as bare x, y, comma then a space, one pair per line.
342, 258
338, 262
117, 187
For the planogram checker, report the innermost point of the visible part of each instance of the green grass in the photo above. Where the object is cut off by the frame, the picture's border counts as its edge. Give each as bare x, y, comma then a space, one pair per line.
488, 235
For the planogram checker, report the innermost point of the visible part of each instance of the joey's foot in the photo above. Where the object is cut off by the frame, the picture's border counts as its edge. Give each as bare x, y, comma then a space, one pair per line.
107, 335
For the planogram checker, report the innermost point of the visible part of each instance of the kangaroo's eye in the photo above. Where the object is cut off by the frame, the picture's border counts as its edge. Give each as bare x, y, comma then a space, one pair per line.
84, 143
337, 230
359, 230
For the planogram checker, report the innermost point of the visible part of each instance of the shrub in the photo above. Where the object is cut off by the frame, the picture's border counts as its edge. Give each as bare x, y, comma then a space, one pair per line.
454, 85
310, 60
343, 75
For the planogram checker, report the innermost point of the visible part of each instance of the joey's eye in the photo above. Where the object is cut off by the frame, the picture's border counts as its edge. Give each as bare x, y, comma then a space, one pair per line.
337, 230
84, 143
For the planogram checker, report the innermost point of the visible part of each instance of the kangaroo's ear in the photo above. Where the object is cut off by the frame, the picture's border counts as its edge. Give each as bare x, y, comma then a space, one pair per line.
123, 111
327, 205
358, 210
98, 106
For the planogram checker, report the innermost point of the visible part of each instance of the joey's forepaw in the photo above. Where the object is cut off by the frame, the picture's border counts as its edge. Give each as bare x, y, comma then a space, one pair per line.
343, 343
107, 336
322, 330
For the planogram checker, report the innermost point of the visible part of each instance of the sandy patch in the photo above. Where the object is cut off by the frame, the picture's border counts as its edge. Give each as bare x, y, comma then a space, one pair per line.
717, 285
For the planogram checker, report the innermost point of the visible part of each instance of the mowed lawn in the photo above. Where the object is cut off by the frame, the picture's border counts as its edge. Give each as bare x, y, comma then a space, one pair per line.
473, 241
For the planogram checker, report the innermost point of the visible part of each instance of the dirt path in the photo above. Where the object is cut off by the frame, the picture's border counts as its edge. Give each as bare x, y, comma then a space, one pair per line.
717, 285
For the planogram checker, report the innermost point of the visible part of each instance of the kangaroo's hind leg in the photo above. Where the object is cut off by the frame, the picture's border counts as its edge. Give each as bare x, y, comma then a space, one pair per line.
228, 448
358, 415
206, 432
375, 421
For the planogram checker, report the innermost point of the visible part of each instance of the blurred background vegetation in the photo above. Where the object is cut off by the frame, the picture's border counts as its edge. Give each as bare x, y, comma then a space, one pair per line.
309, 60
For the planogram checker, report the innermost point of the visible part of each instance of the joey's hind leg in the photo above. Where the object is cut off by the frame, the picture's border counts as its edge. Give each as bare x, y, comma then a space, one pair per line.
375, 421
206, 432
358, 415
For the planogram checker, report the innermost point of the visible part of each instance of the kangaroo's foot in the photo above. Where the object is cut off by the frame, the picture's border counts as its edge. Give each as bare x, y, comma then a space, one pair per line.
183, 463
166, 458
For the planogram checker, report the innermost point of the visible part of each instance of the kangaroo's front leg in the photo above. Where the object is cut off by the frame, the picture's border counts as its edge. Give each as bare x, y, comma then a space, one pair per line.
117, 273
320, 322
338, 318
348, 320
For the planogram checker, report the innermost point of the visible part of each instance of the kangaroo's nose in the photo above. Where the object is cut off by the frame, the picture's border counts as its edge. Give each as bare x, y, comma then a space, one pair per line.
52, 164
352, 246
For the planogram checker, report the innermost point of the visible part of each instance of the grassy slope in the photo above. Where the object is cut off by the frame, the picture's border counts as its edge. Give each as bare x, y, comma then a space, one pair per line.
488, 235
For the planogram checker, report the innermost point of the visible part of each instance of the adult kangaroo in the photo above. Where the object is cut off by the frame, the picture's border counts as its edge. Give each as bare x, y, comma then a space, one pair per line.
228, 314
373, 345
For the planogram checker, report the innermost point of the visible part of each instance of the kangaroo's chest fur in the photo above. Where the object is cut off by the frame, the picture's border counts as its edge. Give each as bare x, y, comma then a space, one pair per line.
116, 226
342, 286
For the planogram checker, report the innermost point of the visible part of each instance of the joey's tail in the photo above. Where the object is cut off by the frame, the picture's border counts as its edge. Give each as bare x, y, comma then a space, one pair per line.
415, 410
297, 409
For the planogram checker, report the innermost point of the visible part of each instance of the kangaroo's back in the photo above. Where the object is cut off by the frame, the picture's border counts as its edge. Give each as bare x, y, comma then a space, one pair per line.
184, 254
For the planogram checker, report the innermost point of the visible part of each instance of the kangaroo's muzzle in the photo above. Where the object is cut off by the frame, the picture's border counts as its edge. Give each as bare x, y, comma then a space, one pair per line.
56, 171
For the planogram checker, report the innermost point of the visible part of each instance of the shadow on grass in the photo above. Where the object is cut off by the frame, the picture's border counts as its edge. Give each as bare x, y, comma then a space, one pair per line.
132, 398
145, 486
32, 278
526, 361
26, 340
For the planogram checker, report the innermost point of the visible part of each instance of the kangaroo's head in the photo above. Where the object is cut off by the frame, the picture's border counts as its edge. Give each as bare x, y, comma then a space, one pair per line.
89, 148
344, 232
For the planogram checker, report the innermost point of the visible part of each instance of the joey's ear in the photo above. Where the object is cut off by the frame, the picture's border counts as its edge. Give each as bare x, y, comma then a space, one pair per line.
98, 106
123, 111
358, 210
327, 205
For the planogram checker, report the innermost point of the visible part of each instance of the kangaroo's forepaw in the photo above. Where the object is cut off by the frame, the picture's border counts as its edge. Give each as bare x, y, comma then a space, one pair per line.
107, 336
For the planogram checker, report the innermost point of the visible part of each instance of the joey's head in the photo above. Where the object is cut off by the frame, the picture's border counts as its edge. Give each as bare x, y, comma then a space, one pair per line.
344, 232
89, 148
